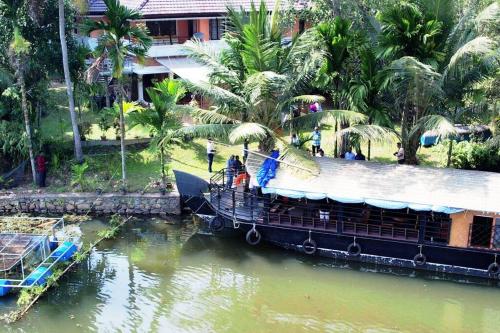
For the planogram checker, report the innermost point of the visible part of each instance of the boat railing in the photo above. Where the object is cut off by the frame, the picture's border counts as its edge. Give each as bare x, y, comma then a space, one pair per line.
245, 206
380, 231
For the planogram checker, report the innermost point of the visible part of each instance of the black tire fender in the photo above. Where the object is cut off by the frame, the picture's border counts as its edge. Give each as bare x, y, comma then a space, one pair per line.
253, 237
354, 249
419, 259
217, 224
309, 246
494, 269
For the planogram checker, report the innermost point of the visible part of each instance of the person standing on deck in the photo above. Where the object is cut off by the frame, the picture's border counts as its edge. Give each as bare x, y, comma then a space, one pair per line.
41, 169
400, 154
230, 171
316, 140
238, 166
210, 154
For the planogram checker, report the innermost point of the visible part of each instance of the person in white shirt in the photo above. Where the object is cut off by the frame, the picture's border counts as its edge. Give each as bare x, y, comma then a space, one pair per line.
318, 107
210, 154
400, 154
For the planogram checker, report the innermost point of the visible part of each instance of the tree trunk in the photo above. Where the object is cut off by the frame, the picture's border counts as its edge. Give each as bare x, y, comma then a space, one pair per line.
369, 149
24, 107
162, 163
450, 149
122, 134
336, 149
410, 145
69, 84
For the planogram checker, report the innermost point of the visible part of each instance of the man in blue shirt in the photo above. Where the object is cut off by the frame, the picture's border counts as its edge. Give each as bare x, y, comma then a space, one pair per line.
316, 141
349, 155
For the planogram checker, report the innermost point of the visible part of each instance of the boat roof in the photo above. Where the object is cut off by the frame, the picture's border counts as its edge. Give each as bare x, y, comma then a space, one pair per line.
389, 185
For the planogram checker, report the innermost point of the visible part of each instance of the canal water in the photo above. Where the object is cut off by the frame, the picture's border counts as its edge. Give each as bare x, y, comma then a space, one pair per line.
160, 277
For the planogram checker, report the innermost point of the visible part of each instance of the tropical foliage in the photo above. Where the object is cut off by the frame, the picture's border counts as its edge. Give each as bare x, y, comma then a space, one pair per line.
255, 82
118, 41
163, 119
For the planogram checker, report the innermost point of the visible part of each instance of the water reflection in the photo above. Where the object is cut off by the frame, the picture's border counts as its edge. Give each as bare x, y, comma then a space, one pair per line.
163, 278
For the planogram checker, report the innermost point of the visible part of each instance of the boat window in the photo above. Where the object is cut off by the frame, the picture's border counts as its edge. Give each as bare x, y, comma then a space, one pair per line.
496, 236
437, 228
481, 231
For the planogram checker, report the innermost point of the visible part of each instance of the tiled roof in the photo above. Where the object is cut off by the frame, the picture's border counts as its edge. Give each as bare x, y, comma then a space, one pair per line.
184, 7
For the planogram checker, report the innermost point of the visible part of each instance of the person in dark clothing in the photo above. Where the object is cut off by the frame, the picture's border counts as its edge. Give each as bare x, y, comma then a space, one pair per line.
238, 166
41, 169
359, 156
230, 171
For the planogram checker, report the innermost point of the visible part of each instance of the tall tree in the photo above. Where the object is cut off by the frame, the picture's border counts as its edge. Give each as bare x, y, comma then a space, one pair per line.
365, 91
119, 40
19, 49
163, 118
407, 31
336, 38
69, 84
256, 81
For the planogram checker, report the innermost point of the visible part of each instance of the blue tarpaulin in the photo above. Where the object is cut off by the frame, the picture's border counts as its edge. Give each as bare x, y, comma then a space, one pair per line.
268, 169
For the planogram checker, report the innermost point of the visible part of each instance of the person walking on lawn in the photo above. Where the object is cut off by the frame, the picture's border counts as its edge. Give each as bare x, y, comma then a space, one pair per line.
210, 154
316, 140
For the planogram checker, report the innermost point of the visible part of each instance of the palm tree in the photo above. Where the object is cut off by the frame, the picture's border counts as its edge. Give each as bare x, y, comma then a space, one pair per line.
69, 84
472, 56
256, 81
407, 31
163, 118
364, 92
19, 49
335, 38
119, 39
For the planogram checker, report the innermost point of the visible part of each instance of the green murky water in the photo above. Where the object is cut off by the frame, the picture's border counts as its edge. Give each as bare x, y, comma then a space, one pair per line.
164, 278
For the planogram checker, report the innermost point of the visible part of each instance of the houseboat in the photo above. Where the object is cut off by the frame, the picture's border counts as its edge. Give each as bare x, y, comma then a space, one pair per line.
439, 220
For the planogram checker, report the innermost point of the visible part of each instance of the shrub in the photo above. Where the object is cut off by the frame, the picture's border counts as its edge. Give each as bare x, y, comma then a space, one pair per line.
472, 155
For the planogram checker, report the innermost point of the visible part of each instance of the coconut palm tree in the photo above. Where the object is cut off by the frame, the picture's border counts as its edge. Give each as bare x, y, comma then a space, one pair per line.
119, 40
163, 118
407, 31
69, 84
336, 39
19, 49
364, 92
472, 55
255, 82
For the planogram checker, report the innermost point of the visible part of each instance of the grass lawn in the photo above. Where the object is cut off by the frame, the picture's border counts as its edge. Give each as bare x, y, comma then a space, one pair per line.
143, 166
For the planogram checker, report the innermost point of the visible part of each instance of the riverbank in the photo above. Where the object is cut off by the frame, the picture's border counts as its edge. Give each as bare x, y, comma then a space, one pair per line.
147, 204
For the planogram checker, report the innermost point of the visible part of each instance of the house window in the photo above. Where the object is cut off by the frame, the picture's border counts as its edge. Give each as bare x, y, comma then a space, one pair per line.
481, 231
161, 28
216, 29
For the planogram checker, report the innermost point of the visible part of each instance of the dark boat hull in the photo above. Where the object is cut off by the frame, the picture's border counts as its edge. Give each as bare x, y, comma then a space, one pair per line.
439, 259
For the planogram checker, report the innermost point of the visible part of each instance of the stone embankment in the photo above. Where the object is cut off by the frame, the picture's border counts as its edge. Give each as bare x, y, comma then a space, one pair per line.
149, 204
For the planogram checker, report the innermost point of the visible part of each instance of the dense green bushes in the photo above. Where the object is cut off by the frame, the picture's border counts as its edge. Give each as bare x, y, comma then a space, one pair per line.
472, 155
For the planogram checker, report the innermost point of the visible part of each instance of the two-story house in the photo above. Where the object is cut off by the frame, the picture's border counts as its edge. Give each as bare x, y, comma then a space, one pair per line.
171, 23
